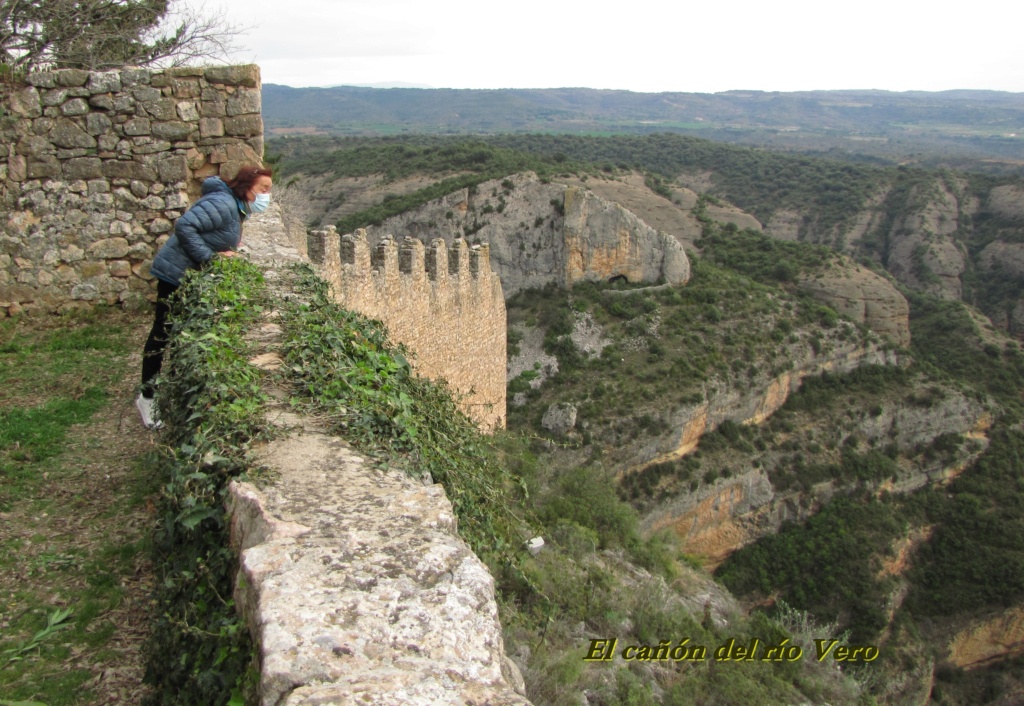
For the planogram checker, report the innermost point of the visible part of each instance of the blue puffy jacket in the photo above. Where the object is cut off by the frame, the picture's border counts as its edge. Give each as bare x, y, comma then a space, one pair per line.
212, 225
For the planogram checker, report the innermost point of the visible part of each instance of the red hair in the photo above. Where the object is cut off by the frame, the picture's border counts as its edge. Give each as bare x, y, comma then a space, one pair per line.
244, 180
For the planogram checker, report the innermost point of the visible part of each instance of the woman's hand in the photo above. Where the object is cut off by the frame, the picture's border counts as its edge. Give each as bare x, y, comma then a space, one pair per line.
227, 253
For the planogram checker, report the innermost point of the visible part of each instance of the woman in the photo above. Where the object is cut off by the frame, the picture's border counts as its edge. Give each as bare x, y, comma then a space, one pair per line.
212, 226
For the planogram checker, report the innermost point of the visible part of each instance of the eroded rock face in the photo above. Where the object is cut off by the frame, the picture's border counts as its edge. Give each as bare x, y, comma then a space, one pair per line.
732, 512
923, 253
1008, 256
722, 517
865, 297
604, 241
1007, 201
357, 589
560, 418
542, 233
990, 640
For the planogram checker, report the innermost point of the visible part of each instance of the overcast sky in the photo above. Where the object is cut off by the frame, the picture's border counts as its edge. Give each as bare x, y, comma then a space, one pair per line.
637, 45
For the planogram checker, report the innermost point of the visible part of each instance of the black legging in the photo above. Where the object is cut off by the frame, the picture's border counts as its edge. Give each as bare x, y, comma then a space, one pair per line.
153, 352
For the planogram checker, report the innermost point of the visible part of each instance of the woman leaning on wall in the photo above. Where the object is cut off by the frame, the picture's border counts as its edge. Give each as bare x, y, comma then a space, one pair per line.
211, 227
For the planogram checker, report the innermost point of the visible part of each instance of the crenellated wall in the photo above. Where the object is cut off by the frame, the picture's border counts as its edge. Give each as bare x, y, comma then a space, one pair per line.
96, 166
445, 305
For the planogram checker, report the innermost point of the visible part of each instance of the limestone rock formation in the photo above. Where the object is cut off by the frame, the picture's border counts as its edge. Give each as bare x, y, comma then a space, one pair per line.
989, 640
865, 297
560, 418
732, 512
541, 233
923, 253
1007, 202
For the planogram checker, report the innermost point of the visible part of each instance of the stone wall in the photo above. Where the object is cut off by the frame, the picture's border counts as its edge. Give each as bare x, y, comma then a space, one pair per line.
447, 307
96, 166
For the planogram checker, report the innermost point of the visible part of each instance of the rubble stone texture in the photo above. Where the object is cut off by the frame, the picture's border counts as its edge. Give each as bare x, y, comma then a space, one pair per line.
96, 166
357, 588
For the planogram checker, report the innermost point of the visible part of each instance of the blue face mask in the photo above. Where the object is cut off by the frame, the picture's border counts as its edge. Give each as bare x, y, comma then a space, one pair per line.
261, 203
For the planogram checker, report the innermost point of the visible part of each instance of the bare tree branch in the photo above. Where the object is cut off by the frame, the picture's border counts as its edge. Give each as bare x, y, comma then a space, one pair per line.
106, 34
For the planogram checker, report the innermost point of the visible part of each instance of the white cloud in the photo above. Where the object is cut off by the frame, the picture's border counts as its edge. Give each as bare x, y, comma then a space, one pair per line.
641, 45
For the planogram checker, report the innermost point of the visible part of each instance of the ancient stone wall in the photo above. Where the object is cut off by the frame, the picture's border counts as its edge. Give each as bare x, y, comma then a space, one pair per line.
95, 167
446, 306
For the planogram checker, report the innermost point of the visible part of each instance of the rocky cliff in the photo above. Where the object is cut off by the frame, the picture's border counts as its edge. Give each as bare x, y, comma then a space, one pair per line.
722, 516
545, 232
862, 296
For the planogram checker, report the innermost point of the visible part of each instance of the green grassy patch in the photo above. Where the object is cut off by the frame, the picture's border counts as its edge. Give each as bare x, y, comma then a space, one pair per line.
62, 576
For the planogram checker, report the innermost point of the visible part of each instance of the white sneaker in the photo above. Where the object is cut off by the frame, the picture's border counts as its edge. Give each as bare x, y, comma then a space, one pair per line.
147, 410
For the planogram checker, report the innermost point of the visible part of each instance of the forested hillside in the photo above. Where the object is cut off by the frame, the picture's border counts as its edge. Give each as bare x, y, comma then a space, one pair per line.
839, 482
980, 130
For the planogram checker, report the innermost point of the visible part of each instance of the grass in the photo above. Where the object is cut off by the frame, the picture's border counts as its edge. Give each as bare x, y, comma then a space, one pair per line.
74, 519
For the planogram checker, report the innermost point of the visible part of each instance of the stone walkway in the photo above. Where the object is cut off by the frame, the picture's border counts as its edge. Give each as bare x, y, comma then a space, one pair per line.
354, 582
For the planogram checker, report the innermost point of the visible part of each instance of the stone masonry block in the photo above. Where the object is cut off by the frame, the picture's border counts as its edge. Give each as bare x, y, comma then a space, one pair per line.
248, 75
211, 127
244, 101
75, 106
104, 82
102, 101
173, 130
98, 124
132, 77
25, 103
126, 169
67, 133
162, 109
72, 77
138, 126
187, 111
42, 79
43, 167
173, 168
83, 168
213, 108
243, 125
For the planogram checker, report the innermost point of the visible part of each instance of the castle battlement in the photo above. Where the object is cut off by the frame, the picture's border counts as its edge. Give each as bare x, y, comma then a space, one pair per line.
445, 304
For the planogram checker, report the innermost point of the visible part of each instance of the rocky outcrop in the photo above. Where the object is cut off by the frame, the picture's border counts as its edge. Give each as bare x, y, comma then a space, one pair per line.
923, 254
722, 517
990, 640
541, 233
865, 297
1003, 255
559, 419
731, 512
755, 402
1007, 202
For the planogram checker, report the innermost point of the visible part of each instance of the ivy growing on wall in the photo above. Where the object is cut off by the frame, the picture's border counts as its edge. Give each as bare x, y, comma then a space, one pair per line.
341, 367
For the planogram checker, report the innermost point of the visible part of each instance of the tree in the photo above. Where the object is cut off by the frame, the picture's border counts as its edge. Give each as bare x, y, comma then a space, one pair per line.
105, 34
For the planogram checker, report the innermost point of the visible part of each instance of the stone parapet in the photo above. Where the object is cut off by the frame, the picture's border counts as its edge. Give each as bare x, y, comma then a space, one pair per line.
96, 166
357, 589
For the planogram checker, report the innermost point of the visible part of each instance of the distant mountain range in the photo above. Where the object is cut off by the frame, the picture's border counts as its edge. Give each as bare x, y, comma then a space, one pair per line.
950, 126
